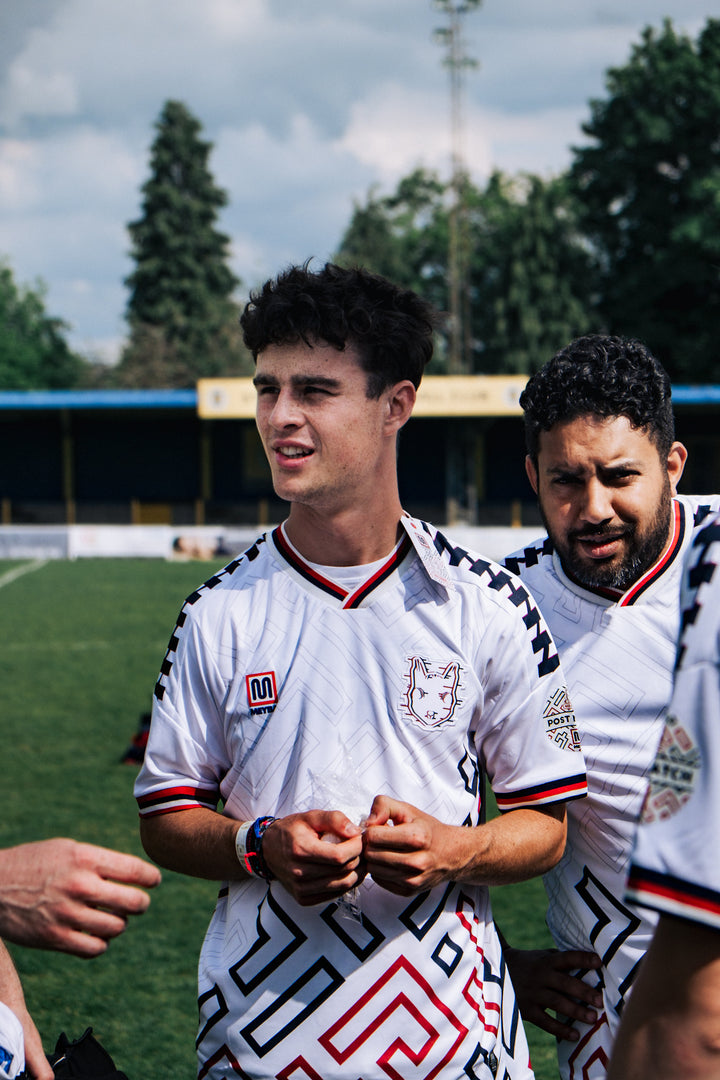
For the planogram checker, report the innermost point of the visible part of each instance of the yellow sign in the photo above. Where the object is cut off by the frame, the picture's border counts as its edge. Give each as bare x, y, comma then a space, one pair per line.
470, 395
439, 395
226, 399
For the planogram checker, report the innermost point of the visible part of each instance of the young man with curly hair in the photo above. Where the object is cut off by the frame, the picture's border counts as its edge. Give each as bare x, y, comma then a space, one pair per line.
343, 687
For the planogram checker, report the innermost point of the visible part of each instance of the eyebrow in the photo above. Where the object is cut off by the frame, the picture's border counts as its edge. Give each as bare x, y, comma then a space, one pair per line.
627, 464
298, 381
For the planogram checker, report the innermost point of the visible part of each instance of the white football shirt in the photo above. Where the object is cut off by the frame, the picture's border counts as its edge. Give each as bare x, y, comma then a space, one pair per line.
675, 868
618, 657
283, 691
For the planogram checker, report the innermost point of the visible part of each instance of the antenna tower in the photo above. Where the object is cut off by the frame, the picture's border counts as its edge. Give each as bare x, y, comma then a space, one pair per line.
457, 62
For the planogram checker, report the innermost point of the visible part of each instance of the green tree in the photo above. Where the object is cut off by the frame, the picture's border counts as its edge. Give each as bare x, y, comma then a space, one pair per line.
527, 290
403, 235
532, 276
182, 318
34, 354
649, 187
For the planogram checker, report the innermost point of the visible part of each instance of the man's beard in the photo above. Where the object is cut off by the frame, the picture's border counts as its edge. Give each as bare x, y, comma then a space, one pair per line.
640, 552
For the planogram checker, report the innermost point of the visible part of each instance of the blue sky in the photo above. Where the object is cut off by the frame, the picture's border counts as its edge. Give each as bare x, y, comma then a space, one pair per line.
309, 103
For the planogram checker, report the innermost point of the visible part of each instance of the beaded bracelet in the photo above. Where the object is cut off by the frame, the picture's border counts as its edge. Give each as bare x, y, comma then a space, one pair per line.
249, 844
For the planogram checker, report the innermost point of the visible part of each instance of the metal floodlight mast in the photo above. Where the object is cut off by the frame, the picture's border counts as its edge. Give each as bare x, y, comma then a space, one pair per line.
457, 61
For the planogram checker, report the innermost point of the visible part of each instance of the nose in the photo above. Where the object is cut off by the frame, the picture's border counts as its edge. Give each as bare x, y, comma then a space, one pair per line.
285, 412
597, 502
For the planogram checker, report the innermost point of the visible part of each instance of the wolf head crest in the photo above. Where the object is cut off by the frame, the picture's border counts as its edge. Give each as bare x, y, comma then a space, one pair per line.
432, 691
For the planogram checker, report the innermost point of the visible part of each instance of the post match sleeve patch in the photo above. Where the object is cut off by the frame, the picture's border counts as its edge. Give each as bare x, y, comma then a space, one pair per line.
559, 718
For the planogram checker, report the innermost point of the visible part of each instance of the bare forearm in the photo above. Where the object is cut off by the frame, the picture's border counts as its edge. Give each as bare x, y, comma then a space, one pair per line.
671, 1022
197, 842
11, 994
512, 847
295, 850
407, 850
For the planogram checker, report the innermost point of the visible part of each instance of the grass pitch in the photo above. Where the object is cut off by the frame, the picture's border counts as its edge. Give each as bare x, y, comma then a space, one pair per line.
82, 646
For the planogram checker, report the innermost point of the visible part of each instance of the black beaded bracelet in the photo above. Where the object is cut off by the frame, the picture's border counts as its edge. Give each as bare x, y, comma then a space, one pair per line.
254, 861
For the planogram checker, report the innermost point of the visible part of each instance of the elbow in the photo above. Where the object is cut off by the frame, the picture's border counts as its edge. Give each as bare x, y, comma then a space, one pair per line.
556, 843
150, 840
553, 859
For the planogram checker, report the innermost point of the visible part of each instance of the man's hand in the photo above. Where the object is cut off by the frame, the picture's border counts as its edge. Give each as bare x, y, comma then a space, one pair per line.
73, 897
315, 855
406, 850
542, 981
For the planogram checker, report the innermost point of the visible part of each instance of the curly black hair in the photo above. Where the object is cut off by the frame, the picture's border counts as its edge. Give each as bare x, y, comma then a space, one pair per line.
391, 328
602, 376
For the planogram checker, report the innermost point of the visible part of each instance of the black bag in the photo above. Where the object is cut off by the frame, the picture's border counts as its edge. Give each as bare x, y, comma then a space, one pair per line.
83, 1058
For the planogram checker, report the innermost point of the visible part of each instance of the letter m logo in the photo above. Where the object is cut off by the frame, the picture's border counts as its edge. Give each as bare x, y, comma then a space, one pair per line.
261, 689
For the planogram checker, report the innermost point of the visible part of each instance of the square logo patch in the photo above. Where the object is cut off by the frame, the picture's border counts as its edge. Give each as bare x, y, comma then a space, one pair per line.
261, 689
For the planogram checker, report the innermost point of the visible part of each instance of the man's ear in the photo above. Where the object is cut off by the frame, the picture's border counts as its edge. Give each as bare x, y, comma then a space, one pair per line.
400, 402
675, 464
531, 473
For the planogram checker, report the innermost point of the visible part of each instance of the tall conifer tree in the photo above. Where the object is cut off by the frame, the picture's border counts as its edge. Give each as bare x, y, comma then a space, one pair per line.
182, 318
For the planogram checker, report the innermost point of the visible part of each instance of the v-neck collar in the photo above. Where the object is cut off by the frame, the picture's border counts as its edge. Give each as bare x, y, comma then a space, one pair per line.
345, 597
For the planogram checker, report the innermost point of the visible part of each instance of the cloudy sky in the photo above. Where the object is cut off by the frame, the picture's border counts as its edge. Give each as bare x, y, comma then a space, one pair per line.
308, 104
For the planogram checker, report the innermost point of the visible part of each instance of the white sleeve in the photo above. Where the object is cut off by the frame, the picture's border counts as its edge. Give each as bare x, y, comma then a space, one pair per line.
186, 756
530, 742
675, 868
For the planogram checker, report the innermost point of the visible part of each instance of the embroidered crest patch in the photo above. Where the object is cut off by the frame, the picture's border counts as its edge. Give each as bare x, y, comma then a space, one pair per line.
674, 773
560, 721
431, 697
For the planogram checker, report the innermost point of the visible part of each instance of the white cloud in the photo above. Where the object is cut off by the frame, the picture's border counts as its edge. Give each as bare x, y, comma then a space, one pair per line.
18, 186
32, 92
394, 130
308, 105
538, 143
66, 169
290, 197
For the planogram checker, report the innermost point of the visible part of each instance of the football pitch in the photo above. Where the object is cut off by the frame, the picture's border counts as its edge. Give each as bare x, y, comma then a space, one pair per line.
82, 643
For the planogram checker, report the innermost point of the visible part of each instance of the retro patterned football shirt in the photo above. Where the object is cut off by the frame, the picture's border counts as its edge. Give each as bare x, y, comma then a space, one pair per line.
283, 690
618, 655
675, 868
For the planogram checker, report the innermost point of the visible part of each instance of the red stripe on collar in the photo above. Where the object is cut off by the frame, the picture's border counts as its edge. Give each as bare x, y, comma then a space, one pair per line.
667, 557
372, 583
302, 568
315, 578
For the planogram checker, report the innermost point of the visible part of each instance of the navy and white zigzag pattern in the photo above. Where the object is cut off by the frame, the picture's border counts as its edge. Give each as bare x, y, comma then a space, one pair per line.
166, 667
507, 584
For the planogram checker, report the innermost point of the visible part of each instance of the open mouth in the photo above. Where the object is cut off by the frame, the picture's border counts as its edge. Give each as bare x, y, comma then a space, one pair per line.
600, 546
293, 452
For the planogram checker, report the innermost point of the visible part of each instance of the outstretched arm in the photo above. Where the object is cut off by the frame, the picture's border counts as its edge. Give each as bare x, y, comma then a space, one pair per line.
407, 850
670, 1026
315, 855
73, 897
11, 994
